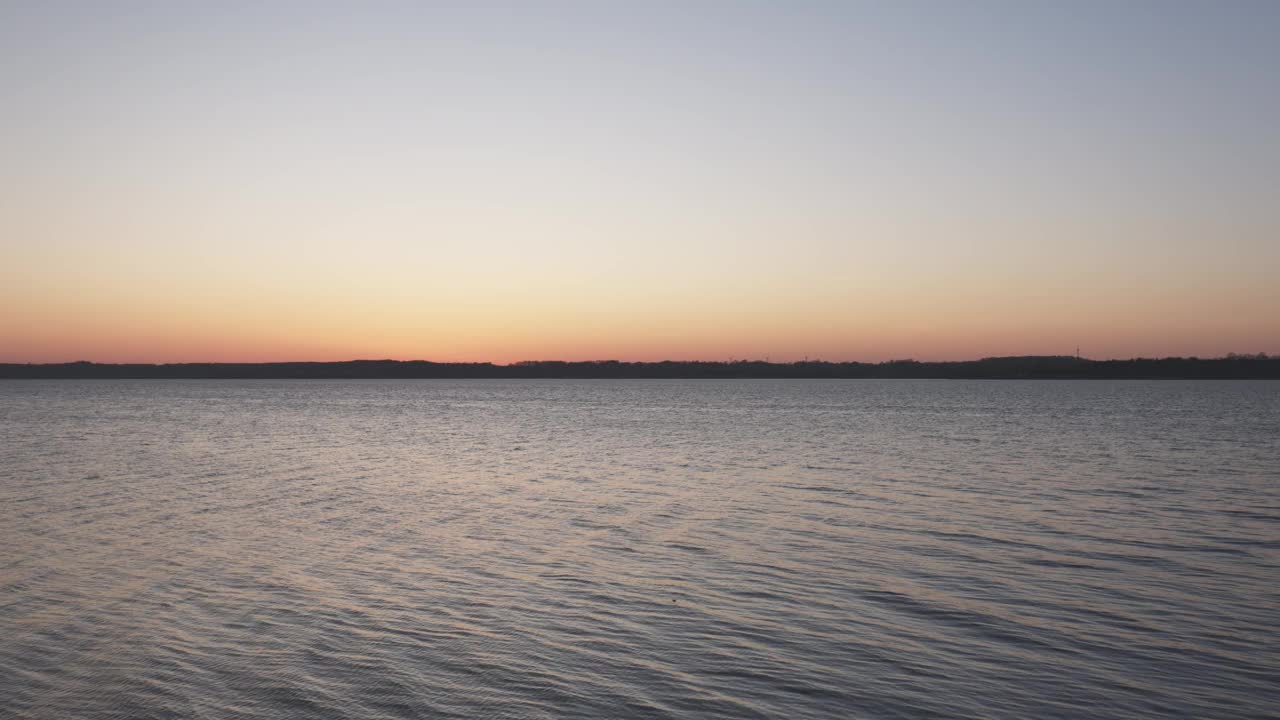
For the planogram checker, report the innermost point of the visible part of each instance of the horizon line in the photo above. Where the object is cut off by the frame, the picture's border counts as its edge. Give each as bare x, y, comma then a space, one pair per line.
729, 361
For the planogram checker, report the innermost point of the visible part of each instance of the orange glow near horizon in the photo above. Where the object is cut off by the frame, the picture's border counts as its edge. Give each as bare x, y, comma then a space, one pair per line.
859, 326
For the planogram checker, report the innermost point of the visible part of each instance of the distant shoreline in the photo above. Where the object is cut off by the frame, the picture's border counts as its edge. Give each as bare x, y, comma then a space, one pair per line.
1001, 368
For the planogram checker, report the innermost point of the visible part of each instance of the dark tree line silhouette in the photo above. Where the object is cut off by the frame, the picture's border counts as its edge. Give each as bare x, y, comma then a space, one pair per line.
1028, 367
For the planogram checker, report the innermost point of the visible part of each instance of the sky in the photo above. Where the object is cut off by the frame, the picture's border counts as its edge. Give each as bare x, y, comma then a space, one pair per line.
194, 181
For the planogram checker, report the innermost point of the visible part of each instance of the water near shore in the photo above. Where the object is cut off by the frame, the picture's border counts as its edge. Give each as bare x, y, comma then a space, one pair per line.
546, 549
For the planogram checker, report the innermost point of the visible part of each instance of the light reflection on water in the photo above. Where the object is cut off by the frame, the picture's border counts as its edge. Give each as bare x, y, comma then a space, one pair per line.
384, 549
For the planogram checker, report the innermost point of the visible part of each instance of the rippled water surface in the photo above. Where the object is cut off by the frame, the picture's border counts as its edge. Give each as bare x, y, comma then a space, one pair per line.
595, 549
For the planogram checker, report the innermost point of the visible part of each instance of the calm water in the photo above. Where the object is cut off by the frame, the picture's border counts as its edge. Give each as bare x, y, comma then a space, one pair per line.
543, 549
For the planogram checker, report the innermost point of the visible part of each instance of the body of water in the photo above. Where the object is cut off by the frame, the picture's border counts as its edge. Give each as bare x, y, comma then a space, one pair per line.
646, 549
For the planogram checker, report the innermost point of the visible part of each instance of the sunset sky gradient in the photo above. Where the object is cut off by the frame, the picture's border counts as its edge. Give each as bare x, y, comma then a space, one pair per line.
636, 180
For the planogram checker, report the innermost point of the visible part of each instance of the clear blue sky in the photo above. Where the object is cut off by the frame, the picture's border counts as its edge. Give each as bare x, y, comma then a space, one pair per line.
638, 180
